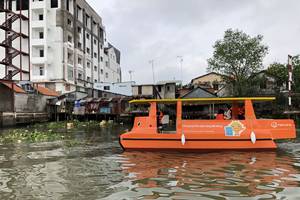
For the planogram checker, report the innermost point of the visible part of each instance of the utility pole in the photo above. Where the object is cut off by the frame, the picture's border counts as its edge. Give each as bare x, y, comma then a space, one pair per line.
181, 63
130, 74
152, 63
290, 75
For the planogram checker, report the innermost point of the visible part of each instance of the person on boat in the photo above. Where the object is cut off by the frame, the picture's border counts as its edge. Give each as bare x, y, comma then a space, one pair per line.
220, 115
160, 115
241, 112
227, 113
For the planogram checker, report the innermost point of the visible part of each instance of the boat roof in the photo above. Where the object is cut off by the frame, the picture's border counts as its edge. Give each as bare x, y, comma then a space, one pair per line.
216, 100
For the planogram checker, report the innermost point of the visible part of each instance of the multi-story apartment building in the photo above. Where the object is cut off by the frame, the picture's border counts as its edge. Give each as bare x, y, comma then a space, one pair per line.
68, 46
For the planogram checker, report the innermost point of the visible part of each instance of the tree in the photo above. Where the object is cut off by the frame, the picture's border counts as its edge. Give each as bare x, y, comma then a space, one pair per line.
279, 72
296, 73
237, 57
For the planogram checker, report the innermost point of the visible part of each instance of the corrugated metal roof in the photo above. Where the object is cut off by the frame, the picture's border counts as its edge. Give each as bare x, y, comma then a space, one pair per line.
46, 91
14, 86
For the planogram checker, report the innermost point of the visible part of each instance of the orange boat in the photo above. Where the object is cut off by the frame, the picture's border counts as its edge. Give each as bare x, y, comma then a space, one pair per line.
167, 129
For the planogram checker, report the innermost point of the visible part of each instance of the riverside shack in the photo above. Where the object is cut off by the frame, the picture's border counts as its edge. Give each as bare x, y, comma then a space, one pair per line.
23, 102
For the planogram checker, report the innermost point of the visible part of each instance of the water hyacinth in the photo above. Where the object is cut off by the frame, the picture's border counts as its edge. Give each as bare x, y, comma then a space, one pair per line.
44, 132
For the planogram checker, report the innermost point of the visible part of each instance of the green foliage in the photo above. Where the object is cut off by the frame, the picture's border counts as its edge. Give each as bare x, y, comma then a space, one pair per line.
279, 72
21, 135
296, 74
238, 56
44, 132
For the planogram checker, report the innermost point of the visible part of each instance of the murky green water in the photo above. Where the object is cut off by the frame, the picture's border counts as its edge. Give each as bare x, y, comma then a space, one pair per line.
96, 168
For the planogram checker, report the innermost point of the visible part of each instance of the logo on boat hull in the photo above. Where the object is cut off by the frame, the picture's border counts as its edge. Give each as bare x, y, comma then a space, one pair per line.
235, 128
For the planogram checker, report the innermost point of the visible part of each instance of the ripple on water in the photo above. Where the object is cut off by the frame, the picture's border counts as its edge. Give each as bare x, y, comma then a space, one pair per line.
100, 170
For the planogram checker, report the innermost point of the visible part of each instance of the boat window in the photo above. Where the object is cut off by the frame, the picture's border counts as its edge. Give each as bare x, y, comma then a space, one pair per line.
166, 118
226, 111
194, 111
139, 110
266, 110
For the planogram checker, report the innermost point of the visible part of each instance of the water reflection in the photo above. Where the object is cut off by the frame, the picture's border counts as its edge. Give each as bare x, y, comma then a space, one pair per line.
97, 168
210, 175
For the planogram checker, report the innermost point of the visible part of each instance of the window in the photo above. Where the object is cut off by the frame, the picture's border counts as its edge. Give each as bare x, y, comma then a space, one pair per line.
70, 74
80, 76
87, 36
79, 45
88, 65
79, 61
159, 88
95, 81
69, 22
69, 38
79, 29
101, 58
101, 71
139, 90
88, 79
168, 88
106, 87
41, 52
41, 70
68, 5
95, 68
41, 17
95, 42
106, 63
106, 75
87, 19
79, 13
23, 6
54, 3
41, 35
216, 86
95, 55
88, 50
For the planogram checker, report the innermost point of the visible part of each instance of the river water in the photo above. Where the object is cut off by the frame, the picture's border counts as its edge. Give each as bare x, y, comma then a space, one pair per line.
95, 167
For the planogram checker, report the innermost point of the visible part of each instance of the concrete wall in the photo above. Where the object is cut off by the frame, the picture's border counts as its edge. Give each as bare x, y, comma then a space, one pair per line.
6, 103
30, 102
210, 78
169, 91
147, 90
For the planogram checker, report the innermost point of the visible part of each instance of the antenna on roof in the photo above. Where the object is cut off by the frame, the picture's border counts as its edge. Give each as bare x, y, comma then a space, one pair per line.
152, 63
181, 62
130, 74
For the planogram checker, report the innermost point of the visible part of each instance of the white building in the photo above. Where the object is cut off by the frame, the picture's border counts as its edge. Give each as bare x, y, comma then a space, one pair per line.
123, 88
68, 46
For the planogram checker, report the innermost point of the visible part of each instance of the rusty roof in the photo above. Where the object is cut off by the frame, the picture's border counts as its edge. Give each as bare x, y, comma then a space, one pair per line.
13, 86
46, 91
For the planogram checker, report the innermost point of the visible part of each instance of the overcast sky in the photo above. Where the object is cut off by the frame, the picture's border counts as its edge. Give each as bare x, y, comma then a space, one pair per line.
164, 29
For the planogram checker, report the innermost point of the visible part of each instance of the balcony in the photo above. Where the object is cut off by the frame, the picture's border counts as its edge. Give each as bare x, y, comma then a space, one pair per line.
38, 60
38, 42
38, 23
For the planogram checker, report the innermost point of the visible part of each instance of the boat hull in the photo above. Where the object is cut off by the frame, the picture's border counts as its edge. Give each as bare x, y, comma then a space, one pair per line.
195, 144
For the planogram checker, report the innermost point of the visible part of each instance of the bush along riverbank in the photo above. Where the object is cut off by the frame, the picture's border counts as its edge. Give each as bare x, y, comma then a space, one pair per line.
46, 132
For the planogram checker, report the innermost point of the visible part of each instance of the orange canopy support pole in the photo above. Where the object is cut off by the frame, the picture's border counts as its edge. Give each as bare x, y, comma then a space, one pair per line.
249, 111
179, 117
234, 109
152, 115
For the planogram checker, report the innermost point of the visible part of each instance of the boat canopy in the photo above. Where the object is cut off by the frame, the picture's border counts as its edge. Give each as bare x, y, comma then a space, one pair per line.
204, 100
